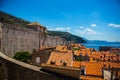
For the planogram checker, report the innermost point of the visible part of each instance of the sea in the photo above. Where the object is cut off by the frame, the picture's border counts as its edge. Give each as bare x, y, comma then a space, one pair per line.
97, 45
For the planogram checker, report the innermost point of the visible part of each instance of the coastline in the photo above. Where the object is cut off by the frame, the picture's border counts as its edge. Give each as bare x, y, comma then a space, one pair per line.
97, 45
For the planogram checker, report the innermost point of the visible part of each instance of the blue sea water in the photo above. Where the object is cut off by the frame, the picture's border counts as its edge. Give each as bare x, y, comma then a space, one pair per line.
96, 45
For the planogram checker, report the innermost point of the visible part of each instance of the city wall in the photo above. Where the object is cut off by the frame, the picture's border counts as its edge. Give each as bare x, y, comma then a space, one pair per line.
11, 69
17, 38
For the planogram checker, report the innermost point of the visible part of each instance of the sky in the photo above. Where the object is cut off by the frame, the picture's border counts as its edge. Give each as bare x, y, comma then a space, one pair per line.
90, 19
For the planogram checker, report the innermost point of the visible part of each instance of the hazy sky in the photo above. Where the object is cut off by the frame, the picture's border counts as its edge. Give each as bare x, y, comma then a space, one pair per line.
91, 19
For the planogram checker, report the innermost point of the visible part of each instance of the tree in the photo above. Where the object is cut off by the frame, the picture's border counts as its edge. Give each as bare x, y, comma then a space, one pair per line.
76, 48
23, 56
79, 59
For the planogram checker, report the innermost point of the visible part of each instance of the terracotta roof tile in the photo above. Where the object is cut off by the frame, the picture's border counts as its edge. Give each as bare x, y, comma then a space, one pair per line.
62, 48
90, 78
95, 68
60, 58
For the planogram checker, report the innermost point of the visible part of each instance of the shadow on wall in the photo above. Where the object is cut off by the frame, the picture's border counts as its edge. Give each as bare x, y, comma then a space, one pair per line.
11, 69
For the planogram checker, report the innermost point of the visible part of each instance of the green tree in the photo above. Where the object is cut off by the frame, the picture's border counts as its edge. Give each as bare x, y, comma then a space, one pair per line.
76, 48
79, 59
23, 56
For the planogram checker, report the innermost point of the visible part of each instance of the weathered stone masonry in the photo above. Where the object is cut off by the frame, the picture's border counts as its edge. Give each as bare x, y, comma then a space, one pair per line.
17, 38
11, 69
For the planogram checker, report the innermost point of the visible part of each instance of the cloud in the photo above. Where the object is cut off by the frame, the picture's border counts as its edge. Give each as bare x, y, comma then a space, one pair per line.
68, 31
68, 28
56, 29
114, 25
77, 31
86, 31
81, 27
60, 29
93, 25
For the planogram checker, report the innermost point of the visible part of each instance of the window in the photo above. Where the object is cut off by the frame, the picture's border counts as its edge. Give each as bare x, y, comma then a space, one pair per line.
37, 59
64, 63
86, 54
61, 61
80, 54
83, 70
108, 59
104, 65
74, 57
52, 62
34, 50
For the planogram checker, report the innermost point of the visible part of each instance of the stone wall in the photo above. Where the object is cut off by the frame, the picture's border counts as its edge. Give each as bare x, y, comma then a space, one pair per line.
43, 55
11, 69
17, 38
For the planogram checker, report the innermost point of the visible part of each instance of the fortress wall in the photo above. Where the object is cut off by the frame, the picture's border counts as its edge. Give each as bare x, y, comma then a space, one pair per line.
11, 69
14, 40
17, 38
53, 41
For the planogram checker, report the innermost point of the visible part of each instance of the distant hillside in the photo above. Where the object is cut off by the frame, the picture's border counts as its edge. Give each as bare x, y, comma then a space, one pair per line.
10, 19
67, 36
100, 42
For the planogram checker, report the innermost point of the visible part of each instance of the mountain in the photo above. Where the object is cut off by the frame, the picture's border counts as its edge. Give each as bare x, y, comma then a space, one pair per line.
100, 42
10, 19
68, 36
96, 41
